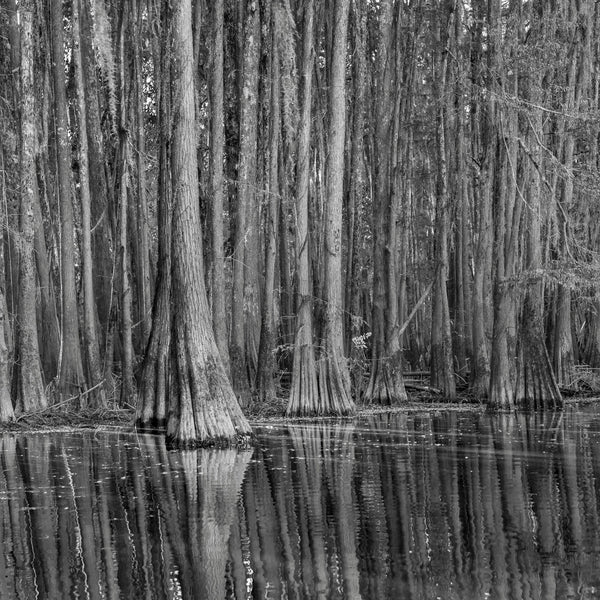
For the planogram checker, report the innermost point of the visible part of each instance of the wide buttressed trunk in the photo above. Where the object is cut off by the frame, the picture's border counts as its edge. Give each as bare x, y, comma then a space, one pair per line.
203, 407
536, 385
334, 378
304, 393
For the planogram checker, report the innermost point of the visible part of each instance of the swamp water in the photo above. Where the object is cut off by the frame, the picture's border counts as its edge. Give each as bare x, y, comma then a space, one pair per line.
451, 505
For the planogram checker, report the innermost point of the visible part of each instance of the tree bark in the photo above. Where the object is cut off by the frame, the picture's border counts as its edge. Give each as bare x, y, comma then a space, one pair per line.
265, 383
101, 197
442, 368
334, 379
153, 390
203, 406
386, 384
536, 384
49, 328
96, 398
6, 407
71, 367
355, 259
125, 292
508, 207
143, 275
485, 149
28, 388
304, 394
217, 141
244, 329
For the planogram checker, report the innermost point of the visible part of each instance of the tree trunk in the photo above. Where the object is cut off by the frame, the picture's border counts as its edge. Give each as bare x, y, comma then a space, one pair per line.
125, 296
442, 368
507, 221
6, 407
265, 383
49, 328
203, 407
355, 258
101, 215
28, 388
536, 385
217, 141
245, 301
563, 356
71, 368
304, 394
386, 384
485, 149
96, 398
334, 379
153, 390
143, 275
462, 284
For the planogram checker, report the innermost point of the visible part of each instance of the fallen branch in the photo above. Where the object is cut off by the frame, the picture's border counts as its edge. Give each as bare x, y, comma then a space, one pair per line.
422, 388
413, 312
58, 404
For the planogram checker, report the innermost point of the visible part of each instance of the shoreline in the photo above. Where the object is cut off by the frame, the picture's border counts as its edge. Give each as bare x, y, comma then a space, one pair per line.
70, 421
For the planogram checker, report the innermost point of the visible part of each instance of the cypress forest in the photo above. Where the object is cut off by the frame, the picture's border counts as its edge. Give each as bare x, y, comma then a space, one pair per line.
208, 208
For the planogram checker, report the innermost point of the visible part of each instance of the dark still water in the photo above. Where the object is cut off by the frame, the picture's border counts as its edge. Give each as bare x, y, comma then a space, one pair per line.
451, 505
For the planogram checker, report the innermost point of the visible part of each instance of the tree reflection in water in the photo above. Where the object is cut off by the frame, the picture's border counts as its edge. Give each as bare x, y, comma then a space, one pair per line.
393, 506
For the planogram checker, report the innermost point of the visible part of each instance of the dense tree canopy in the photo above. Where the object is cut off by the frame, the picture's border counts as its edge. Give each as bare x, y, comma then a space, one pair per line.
305, 200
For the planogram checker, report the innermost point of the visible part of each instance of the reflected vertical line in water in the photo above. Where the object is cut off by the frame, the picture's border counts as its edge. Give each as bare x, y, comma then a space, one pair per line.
17, 533
190, 468
27, 508
74, 512
222, 474
569, 460
135, 467
82, 478
405, 498
306, 443
106, 553
417, 506
544, 502
5, 538
482, 553
129, 504
509, 450
374, 545
341, 461
245, 546
237, 557
164, 485
124, 550
161, 545
156, 461
588, 491
279, 469
251, 522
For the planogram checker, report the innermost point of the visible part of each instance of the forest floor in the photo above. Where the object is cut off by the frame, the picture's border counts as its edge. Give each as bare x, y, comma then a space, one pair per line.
53, 419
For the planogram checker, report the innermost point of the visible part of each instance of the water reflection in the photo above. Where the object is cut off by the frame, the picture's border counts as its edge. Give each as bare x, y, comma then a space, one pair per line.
394, 506
448, 506
114, 516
